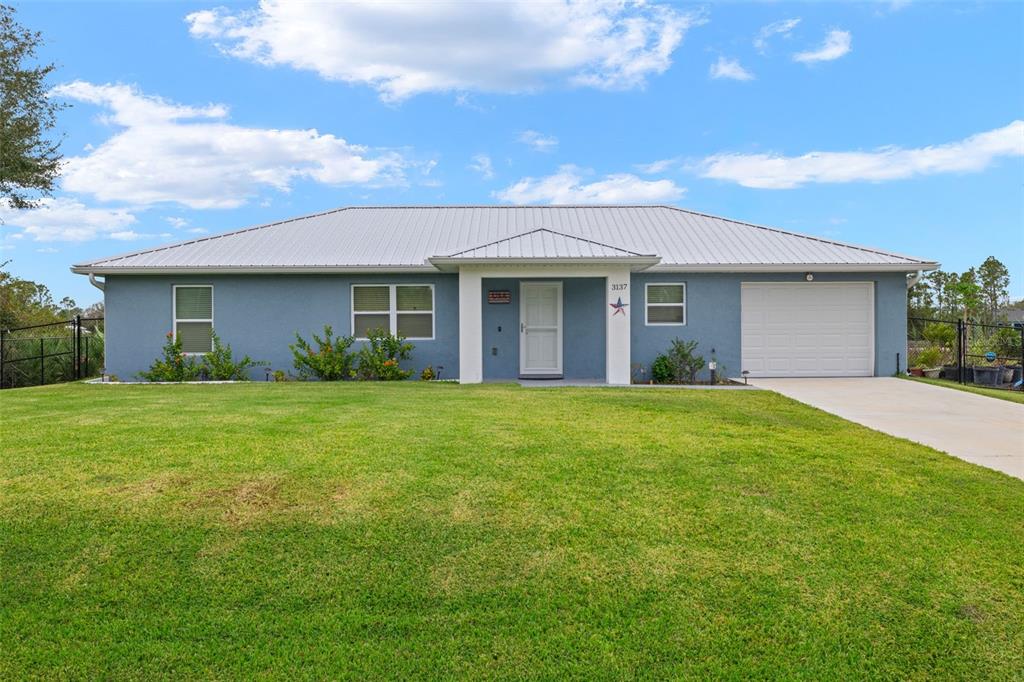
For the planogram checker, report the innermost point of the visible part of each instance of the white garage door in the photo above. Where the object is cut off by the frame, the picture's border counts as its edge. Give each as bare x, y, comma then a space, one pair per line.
808, 329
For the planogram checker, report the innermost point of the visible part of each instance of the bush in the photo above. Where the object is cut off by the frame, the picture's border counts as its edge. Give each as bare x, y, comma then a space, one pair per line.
929, 357
428, 373
661, 370
380, 357
679, 365
174, 365
219, 364
329, 361
1007, 344
977, 351
939, 334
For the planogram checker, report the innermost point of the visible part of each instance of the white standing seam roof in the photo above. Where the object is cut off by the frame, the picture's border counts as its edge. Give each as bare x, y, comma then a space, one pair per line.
408, 237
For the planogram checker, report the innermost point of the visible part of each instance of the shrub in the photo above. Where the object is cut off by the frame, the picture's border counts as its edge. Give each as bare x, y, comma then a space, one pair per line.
1007, 343
219, 364
929, 357
977, 350
661, 370
679, 365
174, 365
939, 334
428, 373
685, 364
380, 357
329, 361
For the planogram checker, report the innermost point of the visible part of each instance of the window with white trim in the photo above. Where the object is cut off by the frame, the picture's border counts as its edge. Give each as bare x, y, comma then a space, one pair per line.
193, 317
402, 309
666, 303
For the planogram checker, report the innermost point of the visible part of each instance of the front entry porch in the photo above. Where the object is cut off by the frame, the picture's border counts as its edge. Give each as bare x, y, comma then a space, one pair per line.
568, 322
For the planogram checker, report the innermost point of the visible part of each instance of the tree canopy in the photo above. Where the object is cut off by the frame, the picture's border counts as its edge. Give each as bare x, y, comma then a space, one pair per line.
980, 294
30, 159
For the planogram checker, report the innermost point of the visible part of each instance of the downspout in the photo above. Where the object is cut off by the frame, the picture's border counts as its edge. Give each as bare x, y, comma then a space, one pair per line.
911, 280
95, 282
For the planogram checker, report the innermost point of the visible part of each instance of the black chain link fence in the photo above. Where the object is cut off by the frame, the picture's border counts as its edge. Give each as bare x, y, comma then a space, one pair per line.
966, 352
51, 353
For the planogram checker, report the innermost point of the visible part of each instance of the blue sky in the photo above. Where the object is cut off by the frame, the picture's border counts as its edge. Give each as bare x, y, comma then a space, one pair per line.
896, 125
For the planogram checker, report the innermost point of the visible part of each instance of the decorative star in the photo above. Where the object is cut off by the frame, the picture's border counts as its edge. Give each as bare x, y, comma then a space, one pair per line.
619, 307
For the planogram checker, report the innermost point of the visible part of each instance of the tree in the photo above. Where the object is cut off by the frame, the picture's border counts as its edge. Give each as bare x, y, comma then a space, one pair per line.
967, 294
30, 162
94, 311
23, 303
995, 283
941, 285
920, 300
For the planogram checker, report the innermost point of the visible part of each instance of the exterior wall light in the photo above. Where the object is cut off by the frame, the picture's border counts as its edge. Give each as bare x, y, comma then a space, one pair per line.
809, 277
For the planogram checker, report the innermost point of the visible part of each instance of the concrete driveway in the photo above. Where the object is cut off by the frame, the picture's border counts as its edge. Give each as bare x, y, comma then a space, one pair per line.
975, 428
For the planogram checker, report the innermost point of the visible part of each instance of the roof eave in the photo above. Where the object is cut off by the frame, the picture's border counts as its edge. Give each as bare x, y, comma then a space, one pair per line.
101, 270
448, 264
795, 267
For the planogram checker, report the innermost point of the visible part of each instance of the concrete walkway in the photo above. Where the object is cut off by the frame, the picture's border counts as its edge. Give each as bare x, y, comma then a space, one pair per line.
975, 428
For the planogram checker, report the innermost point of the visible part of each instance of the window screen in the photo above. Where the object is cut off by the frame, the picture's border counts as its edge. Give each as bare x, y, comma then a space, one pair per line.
666, 304
193, 318
403, 309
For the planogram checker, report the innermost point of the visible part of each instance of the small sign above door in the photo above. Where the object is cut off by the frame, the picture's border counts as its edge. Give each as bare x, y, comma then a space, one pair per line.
499, 296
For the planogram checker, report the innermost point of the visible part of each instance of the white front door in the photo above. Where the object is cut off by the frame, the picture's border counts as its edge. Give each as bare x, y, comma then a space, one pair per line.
797, 329
540, 329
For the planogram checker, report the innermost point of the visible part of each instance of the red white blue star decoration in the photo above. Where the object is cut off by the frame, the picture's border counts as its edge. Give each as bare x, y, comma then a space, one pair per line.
619, 307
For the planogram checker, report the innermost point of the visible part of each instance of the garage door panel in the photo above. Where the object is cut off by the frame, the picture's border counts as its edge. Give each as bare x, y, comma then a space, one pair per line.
807, 329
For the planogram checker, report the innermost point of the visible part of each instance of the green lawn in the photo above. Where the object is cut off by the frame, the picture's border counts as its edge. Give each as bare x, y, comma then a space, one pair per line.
400, 531
1002, 394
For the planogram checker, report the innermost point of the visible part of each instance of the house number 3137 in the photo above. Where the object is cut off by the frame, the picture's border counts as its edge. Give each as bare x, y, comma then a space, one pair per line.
619, 287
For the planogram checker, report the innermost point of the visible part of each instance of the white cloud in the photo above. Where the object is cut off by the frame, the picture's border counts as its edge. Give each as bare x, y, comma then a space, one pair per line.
655, 167
176, 222
837, 44
730, 68
406, 48
65, 219
779, 28
768, 171
538, 141
196, 230
167, 152
127, 235
567, 187
47, 249
482, 165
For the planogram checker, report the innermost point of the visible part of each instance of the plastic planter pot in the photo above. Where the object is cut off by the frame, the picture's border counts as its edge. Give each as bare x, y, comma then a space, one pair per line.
1007, 375
933, 373
916, 372
987, 376
950, 372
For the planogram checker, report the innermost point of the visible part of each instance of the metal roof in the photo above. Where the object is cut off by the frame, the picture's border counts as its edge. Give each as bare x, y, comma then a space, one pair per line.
544, 243
408, 237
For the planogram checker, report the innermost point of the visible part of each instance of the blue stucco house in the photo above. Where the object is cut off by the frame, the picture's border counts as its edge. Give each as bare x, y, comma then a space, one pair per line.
506, 292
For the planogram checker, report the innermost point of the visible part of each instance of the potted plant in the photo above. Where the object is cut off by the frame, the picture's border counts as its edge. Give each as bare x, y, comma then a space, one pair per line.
1007, 344
928, 363
983, 363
